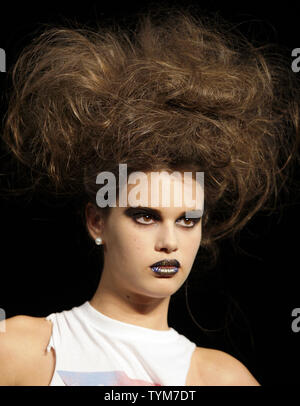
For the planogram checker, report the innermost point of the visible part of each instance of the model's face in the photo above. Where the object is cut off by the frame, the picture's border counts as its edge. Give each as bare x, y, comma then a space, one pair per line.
136, 238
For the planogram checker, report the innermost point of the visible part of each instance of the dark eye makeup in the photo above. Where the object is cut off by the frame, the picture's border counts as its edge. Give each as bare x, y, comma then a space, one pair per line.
135, 213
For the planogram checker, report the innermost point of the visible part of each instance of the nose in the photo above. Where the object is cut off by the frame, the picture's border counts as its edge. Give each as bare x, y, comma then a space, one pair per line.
166, 240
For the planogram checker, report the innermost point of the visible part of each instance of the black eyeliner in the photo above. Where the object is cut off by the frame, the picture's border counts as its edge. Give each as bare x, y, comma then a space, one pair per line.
135, 212
156, 212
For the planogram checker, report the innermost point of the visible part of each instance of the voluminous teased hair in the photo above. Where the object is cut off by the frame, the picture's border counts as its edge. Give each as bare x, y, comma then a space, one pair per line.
179, 90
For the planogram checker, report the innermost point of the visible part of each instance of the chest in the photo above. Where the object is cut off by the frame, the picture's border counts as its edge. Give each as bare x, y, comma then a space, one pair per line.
44, 364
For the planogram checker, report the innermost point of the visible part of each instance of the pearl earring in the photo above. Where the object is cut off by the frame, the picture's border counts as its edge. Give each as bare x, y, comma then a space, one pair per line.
98, 241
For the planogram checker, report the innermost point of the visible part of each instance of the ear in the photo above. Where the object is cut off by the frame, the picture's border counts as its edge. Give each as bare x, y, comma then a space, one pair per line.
94, 221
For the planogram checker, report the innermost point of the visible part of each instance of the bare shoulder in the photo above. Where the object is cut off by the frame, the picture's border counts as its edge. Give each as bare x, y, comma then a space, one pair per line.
218, 368
23, 355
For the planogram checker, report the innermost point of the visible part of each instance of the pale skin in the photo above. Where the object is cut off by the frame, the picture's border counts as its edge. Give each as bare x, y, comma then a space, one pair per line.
128, 291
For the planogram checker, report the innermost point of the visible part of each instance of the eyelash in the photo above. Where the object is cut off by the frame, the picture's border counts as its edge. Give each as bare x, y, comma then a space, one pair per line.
139, 215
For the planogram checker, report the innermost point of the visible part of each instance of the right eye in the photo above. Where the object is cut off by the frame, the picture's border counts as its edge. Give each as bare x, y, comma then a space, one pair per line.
139, 216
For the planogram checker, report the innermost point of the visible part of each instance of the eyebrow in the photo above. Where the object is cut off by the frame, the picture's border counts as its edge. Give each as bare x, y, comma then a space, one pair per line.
156, 212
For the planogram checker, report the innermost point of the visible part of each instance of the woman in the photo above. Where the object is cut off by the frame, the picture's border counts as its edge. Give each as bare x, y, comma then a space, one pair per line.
178, 95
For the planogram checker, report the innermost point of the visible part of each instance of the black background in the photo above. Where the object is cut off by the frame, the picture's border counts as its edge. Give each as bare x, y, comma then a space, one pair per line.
48, 264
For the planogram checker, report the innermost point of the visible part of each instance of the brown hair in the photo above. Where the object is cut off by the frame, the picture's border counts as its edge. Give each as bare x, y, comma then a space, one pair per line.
177, 90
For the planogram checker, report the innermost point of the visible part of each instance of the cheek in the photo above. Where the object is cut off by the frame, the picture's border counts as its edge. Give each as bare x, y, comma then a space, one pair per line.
190, 245
129, 243
191, 248
138, 242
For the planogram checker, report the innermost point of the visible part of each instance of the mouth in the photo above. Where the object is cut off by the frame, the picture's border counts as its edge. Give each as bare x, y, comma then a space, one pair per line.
165, 268
164, 271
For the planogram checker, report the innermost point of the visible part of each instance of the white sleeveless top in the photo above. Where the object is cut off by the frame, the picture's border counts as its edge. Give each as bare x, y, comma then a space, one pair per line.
95, 350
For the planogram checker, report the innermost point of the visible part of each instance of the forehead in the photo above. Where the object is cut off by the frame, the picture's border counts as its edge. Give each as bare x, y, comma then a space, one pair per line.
167, 189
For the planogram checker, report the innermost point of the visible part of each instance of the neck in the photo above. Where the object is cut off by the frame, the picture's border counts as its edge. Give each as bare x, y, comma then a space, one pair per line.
131, 308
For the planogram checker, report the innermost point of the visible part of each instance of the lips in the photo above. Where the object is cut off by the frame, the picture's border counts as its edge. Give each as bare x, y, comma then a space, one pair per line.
167, 262
165, 267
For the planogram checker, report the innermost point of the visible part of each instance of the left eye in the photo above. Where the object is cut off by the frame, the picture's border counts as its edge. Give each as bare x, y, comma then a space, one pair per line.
190, 222
148, 219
